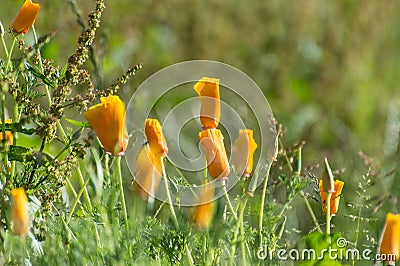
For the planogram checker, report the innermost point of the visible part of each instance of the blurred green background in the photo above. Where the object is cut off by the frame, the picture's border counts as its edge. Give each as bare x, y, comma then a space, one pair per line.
329, 69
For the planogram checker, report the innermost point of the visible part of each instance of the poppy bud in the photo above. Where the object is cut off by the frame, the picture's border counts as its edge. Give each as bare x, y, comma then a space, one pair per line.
212, 142
19, 211
389, 244
243, 151
335, 198
210, 112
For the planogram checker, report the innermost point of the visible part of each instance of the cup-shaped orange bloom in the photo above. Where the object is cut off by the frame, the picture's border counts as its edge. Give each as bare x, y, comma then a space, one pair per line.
212, 142
389, 244
203, 213
9, 135
155, 137
26, 17
108, 121
19, 211
210, 111
148, 173
243, 151
335, 198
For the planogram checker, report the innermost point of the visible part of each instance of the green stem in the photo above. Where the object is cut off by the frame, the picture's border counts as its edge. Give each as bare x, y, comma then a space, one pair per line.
310, 210
171, 207
328, 213
228, 200
4, 45
10, 53
121, 191
170, 204
236, 232
15, 134
3, 130
76, 202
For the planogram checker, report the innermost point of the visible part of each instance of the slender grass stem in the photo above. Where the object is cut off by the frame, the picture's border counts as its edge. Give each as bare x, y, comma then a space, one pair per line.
310, 210
76, 202
228, 200
10, 54
4, 45
121, 191
236, 232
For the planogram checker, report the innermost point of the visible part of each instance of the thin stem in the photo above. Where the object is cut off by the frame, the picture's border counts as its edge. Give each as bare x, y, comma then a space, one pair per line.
264, 192
15, 134
236, 232
4, 45
3, 130
170, 204
171, 207
121, 191
328, 213
10, 53
76, 202
310, 210
228, 200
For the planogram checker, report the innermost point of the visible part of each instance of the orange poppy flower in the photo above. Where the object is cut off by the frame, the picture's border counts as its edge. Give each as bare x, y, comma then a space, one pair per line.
389, 244
335, 198
19, 211
26, 17
212, 142
108, 121
202, 214
148, 173
210, 112
9, 135
155, 137
243, 151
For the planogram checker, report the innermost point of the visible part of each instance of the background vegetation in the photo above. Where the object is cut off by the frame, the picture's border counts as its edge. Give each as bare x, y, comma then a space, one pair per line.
329, 70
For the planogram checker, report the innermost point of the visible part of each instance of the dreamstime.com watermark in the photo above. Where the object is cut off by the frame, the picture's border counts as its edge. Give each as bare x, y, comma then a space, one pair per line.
339, 253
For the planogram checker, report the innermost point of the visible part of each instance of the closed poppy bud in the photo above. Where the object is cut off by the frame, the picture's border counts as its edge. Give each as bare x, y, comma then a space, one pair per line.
26, 17
155, 137
148, 173
19, 211
335, 198
108, 121
202, 214
389, 244
212, 142
9, 135
243, 151
210, 112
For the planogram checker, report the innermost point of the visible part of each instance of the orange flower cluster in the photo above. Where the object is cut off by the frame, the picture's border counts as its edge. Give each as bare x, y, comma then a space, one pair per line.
108, 121
149, 170
19, 211
26, 17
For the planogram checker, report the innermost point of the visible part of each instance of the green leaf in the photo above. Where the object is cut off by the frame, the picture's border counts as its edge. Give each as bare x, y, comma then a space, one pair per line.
40, 75
77, 123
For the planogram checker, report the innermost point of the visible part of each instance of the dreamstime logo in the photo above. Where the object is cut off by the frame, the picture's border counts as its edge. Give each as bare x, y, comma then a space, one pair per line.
168, 95
342, 252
